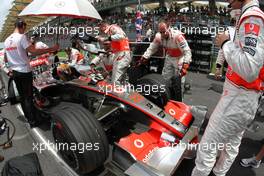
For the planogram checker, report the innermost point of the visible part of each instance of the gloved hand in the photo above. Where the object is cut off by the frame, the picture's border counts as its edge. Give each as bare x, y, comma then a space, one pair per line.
10, 73
218, 73
184, 69
142, 61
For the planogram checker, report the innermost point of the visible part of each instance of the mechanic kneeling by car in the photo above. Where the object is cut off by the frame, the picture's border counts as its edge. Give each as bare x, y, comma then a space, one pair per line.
17, 46
74, 55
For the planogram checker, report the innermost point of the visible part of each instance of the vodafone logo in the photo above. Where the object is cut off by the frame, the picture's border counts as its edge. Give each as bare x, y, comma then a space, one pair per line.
138, 143
172, 112
251, 27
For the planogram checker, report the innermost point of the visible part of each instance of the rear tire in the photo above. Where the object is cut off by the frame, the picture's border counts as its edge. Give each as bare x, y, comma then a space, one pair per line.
159, 97
74, 125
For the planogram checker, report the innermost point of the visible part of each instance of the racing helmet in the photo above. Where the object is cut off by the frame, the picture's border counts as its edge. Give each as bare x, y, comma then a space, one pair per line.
64, 72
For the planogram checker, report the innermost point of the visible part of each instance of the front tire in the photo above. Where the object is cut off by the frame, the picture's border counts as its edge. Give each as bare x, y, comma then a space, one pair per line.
75, 126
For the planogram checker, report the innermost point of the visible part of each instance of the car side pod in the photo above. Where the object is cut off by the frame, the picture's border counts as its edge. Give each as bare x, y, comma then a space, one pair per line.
199, 113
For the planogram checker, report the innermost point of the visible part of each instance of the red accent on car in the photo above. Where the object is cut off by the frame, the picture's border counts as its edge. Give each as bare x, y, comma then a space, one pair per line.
85, 79
141, 146
177, 106
179, 111
58, 125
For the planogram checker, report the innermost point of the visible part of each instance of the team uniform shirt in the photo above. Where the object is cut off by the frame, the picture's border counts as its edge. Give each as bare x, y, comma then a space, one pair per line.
176, 46
245, 54
220, 57
76, 57
238, 104
121, 53
177, 53
118, 39
15, 48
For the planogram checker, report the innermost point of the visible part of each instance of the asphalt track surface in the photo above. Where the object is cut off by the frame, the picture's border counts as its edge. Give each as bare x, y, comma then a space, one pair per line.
51, 165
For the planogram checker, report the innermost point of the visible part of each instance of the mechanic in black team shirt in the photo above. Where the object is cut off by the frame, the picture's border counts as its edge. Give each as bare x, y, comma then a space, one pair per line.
17, 46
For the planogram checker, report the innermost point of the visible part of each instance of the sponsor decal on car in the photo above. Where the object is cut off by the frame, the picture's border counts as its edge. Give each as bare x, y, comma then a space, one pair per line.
172, 112
136, 98
161, 114
149, 105
139, 143
149, 154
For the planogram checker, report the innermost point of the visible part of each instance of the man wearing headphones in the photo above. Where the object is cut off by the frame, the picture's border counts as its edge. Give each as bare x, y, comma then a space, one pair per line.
242, 90
17, 48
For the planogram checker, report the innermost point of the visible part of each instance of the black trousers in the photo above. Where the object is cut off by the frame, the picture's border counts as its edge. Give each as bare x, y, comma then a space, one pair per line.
24, 84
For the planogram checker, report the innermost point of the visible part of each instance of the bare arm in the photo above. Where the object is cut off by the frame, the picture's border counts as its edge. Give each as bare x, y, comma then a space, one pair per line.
35, 52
